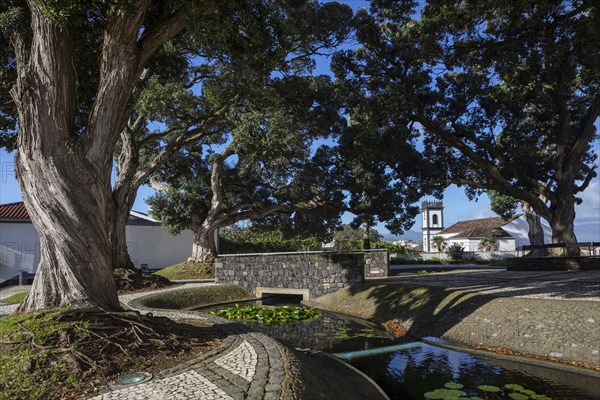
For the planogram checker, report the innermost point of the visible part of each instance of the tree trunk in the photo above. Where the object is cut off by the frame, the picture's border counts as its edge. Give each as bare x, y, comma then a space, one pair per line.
67, 207
366, 236
204, 248
536, 233
118, 238
562, 224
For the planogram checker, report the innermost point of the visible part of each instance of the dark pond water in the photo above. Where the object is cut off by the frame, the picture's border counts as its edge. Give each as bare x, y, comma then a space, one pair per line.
412, 372
417, 368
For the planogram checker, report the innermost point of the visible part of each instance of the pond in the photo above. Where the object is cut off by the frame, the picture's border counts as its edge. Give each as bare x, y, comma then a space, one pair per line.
409, 370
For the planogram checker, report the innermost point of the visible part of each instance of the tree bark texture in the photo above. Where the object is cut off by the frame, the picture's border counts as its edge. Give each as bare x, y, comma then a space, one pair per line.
535, 233
65, 177
563, 226
204, 248
122, 205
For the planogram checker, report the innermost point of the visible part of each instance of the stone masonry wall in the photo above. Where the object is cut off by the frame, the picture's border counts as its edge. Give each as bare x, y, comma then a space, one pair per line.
320, 273
377, 264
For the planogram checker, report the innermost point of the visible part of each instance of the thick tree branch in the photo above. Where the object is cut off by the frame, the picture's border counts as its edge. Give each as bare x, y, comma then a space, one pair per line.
489, 169
590, 174
119, 71
157, 36
585, 134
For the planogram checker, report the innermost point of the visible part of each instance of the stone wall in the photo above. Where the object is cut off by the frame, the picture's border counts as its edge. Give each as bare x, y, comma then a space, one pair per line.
554, 264
321, 273
377, 264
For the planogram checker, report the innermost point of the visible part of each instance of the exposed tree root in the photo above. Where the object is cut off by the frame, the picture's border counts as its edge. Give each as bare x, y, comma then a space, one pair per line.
97, 346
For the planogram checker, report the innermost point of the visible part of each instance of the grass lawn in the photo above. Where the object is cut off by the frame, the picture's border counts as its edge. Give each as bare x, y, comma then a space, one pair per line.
15, 298
195, 297
188, 270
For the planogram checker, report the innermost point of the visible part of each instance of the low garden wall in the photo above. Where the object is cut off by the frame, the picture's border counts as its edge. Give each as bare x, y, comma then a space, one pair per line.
554, 264
314, 273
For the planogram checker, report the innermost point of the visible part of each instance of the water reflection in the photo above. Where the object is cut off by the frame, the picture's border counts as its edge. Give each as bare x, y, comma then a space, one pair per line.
408, 374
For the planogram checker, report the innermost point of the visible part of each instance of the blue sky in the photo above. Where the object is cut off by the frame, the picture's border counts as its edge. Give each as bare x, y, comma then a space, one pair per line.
457, 206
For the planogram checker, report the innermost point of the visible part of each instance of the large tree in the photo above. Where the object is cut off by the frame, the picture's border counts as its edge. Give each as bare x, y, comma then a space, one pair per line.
506, 207
189, 93
506, 93
76, 71
266, 164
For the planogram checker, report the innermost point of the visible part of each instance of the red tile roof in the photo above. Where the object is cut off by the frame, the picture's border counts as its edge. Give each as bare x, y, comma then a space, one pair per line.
13, 212
478, 228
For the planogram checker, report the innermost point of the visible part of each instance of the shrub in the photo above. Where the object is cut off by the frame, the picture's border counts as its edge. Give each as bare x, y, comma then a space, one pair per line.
348, 244
439, 243
455, 251
237, 240
394, 248
488, 243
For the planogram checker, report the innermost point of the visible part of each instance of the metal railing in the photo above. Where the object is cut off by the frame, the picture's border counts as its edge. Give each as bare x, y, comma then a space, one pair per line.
586, 248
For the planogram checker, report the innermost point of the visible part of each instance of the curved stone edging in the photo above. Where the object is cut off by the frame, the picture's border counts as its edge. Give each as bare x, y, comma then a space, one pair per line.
247, 365
564, 330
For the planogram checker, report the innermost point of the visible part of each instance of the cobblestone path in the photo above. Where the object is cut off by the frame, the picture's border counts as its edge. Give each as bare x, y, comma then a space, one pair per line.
247, 365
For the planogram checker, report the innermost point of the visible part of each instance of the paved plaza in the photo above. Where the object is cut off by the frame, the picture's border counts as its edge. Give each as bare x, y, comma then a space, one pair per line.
251, 365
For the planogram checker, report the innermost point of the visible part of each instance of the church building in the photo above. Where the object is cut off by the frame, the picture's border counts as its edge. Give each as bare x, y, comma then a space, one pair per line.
510, 234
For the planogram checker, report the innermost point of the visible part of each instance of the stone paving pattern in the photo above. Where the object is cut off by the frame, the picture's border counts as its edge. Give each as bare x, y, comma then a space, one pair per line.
491, 307
248, 365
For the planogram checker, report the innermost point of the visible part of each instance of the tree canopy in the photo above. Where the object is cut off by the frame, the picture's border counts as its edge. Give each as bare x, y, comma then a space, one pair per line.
502, 94
142, 77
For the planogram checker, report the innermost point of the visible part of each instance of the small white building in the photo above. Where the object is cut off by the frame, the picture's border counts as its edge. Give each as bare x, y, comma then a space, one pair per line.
148, 244
510, 235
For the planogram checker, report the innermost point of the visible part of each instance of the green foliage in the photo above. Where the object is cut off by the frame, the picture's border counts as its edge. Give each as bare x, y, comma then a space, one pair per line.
451, 390
423, 272
439, 243
268, 315
394, 248
34, 371
473, 83
455, 251
488, 244
15, 298
236, 240
348, 244
504, 206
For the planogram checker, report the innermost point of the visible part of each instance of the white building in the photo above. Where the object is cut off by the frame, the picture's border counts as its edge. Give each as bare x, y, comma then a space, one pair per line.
433, 222
148, 244
510, 235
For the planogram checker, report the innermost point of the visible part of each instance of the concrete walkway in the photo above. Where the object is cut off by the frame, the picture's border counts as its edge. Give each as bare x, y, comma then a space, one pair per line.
551, 285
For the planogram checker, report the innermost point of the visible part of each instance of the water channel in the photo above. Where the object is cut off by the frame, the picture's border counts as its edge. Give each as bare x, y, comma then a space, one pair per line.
408, 370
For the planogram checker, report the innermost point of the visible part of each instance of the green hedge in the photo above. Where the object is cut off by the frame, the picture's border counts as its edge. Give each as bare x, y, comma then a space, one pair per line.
241, 241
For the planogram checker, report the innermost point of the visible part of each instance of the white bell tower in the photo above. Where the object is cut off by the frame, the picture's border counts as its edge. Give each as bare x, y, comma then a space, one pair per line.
433, 222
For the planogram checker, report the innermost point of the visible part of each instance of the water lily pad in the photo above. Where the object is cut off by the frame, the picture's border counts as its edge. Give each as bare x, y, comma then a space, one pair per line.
518, 396
454, 385
514, 386
445, 394
475, 398
540, 397
489, 388
436, 394
527, 392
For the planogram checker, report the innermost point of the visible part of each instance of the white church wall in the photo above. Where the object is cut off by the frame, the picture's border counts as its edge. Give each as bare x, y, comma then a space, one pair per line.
147, 244
519, 230
19, 249
152, 246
